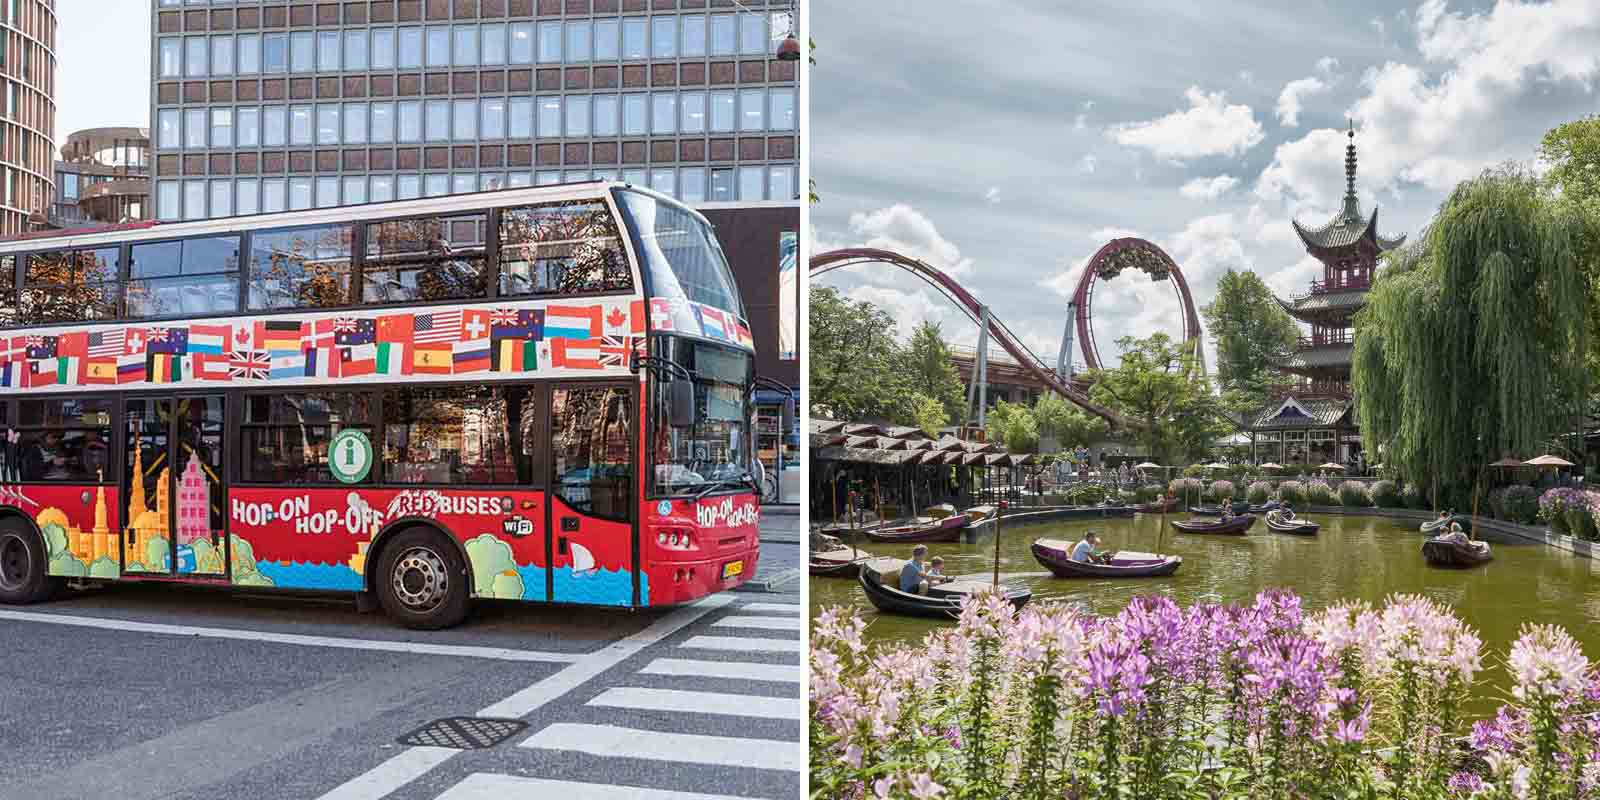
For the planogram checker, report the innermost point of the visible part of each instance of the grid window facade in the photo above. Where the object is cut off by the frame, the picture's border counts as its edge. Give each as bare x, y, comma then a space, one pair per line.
269, 109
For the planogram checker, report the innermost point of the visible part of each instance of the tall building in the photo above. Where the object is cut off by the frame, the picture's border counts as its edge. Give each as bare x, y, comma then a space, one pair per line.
1314, 423
103, 177
261, 106
27, 150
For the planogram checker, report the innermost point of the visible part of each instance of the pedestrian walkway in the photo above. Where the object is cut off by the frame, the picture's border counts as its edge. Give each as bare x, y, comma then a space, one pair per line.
683, 721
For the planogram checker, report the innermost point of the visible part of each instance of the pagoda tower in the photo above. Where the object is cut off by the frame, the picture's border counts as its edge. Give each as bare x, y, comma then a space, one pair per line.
1312, 423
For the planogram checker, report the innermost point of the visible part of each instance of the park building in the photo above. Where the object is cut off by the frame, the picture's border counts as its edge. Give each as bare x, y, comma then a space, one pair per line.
1313, 421
102, 178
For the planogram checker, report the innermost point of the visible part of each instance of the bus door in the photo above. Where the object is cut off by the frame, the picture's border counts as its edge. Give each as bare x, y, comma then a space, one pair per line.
593, 495
173, 484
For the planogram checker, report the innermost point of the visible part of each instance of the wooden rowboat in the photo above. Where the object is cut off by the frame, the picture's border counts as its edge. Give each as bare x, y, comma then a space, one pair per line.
1446, 553
920, 530
941, 602
1235, 526
1293, 526
1156, 508
838, 563
1216, 511
1054, 554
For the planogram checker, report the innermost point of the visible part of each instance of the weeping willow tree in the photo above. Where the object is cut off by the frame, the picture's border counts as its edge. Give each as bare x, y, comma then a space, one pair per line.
1472, 342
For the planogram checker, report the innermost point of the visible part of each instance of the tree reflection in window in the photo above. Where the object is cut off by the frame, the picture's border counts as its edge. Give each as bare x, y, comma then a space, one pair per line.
8, 290
561, 248
70, 286
286, 436
591, 433
306, 267
460, 435
432, 258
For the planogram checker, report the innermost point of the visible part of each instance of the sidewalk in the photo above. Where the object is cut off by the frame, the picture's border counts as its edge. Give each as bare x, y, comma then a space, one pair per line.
780, 552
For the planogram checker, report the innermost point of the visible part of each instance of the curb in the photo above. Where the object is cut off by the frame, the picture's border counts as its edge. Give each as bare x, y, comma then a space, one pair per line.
786, 510
783, 537
783, 582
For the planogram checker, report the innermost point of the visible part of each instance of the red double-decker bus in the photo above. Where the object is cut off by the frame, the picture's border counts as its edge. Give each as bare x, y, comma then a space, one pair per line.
541, 394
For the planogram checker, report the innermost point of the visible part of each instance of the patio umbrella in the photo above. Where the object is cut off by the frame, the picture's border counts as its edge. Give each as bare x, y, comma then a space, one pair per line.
1271, 465
1508, 461
1331, 465
1547, 461
1216, 465
1148, 465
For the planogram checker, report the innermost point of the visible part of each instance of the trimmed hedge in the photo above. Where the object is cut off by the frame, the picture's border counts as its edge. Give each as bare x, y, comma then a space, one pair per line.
1412, 497
1258, 493
1319, 493
1386, 495
1292, 492
1220, 490
1149, 493
1354, 494
1521, 504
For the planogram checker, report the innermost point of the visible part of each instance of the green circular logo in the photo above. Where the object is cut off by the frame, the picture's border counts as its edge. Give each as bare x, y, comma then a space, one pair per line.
350, 456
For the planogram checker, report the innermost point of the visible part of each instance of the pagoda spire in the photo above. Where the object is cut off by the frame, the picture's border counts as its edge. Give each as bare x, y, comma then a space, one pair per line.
1352, 206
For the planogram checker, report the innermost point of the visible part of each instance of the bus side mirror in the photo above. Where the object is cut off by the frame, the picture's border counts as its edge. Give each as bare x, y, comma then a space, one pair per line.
788, 418
680, 396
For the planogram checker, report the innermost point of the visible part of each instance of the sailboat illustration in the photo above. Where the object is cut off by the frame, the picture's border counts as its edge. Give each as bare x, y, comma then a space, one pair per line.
582, 560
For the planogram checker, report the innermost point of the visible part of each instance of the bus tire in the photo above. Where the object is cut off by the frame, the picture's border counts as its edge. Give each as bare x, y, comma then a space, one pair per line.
24, 570
421, 581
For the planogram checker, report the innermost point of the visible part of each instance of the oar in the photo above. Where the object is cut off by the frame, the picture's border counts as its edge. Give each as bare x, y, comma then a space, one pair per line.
999, 511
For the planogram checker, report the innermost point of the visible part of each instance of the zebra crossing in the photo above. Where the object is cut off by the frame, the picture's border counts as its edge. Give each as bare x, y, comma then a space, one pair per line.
670, 713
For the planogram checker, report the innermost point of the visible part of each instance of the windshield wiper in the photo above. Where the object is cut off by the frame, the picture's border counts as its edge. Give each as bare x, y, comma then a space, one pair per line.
713, 485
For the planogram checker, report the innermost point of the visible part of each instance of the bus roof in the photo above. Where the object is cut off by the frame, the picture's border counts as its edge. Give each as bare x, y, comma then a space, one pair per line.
446, 204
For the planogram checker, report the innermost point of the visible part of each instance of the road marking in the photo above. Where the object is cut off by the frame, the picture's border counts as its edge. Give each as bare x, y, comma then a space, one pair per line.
617, 742
404, 767
738, 644
380, 645
733, 705
484, 786
762, 623
409, 765
737, 670
780, 608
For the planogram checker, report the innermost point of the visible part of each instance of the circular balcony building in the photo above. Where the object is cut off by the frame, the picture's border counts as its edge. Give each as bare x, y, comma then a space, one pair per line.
28, 113
103, 177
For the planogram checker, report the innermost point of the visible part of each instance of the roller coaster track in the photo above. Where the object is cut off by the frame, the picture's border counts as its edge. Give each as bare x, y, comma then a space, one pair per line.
823, 263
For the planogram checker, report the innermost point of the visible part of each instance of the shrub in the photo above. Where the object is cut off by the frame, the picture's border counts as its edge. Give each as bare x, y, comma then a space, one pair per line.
1292, 492
1221, 490
1149, 493
1319, 493
1354, 494
1350, 701
1412, 497
1258, 493
1185, 488
1194, 471
1497, 503
1086, 494
1385, 495
1521, 504
1553, 505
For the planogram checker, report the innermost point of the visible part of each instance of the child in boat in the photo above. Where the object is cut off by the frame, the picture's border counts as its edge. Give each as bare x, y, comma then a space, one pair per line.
1087, 551
915, 579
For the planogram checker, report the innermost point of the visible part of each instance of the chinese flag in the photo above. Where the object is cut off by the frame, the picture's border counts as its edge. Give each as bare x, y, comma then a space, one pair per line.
395, 329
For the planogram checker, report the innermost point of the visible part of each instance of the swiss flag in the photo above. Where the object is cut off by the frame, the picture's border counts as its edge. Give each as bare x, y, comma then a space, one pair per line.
474, 325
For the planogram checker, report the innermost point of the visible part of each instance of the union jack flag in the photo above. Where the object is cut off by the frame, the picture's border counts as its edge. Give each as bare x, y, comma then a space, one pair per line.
158, 334
344, 325
614, 350
252, 365
504, 317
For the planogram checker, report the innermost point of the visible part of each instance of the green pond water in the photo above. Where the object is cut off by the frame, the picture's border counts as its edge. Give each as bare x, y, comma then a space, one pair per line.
1352, 557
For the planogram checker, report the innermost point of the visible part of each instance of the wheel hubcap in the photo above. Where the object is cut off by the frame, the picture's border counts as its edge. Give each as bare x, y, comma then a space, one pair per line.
15, 563
420, 579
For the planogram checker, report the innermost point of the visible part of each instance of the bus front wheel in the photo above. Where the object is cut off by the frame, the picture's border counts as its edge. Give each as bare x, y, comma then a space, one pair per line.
24, 570
422, 583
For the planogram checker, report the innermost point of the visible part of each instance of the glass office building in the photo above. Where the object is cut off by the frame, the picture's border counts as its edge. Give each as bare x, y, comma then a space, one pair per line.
259, 107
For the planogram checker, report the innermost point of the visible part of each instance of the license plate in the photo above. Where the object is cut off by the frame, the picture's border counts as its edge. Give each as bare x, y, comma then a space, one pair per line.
732, 569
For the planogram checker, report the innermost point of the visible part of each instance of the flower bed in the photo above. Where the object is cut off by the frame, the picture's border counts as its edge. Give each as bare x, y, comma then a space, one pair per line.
1319, 493
1292, 492
1258, 493
1163, 701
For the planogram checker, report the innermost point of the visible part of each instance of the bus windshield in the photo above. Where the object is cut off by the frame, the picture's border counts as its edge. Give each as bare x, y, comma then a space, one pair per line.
680, 258
713, 453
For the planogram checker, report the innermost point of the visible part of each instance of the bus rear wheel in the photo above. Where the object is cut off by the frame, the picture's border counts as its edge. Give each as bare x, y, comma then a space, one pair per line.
24, 570
422, 582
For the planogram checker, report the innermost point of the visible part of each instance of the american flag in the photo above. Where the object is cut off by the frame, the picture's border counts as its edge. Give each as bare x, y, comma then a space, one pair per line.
107, 344
444, 326
251, 365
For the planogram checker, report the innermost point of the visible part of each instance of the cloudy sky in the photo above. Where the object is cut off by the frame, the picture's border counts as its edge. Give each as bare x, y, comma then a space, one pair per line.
1007, 140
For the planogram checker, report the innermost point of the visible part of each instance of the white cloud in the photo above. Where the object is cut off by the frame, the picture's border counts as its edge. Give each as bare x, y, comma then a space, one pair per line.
993, 195
1103, 235
1087, 164
905, 230
915, 307
1489, 96
1208, 188
1209, 127
1294, 92
1080, 122
1327, 65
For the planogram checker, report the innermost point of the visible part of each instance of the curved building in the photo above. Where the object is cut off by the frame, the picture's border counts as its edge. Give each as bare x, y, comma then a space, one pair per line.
103, 177
27, 112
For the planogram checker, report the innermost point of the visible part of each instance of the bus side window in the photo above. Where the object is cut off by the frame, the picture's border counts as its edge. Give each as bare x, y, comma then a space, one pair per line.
70, 286
8, 290
64, 440
590, 445
561, 248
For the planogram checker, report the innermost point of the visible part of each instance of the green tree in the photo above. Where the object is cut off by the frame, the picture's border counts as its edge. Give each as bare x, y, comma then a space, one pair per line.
928, 369
1013, 425
1250, 331
1159, 386
928, 414
853, 360
1069, 425
1572, 152
1473, 341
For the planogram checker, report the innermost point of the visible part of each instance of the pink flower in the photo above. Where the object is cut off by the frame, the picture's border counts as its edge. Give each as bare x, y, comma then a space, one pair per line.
923, 787
1547, 662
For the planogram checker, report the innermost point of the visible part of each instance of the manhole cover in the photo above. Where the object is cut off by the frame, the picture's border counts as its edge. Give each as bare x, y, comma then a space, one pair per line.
463, 733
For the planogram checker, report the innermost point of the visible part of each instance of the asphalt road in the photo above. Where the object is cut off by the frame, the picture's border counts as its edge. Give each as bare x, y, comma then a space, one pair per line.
137, 692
